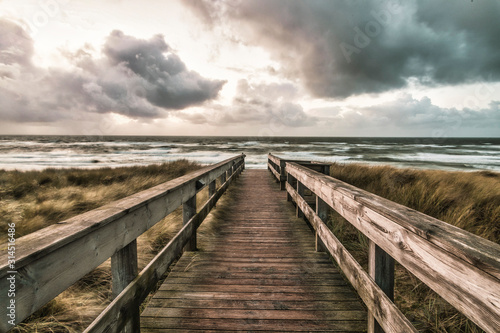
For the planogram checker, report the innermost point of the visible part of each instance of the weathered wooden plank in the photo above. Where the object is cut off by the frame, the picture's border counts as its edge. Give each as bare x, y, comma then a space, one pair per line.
321, 315
260, 269
255, 324
378, 303
254, 288
216, 259
322, 212
211, 188
123, 271
461, 267
274, 172
255, 275
269, 271
124, 267
113, 317
347, 295
251, 280
285, 253
188, 211
44, 268
381, 269
300, 191
306, 305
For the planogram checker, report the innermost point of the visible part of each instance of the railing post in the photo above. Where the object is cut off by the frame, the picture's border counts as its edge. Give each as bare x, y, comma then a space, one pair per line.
289, 180
223, 178
188, 211
326, 170
211, 189
300, 191
123, 271
283, 176
381, 269
322, 211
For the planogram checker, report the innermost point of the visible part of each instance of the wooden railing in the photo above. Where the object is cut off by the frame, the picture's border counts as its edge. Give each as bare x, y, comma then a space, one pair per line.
461, 267
52, 259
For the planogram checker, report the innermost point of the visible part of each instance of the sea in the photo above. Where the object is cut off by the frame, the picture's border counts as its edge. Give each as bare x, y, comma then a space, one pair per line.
35, 152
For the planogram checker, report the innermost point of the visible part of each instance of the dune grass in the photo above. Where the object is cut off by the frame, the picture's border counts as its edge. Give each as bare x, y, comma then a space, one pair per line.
37, 199
469, 200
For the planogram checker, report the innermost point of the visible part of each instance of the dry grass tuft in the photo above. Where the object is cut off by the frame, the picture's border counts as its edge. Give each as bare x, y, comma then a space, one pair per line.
469, 200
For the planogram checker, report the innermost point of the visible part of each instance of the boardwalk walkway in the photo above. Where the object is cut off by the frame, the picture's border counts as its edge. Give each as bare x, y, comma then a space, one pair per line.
259, 273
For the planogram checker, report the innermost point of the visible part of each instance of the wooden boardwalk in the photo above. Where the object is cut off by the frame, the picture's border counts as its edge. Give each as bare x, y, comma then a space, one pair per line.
259, 273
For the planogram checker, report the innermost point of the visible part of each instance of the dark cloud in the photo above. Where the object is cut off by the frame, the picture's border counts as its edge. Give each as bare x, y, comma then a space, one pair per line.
168, 83
409, 116
343, 48
135, 77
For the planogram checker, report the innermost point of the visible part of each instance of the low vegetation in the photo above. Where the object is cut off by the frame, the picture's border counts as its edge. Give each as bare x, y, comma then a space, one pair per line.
37, 199
469, 200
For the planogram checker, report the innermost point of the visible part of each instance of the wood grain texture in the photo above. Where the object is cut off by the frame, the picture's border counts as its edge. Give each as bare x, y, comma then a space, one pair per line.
381, 269
124, 269
54, 258
113, 318
260, 271
379, 304
462, 268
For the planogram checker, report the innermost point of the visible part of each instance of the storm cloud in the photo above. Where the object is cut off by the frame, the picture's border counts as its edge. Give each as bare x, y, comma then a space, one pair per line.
349, 47
134, 77
410, 116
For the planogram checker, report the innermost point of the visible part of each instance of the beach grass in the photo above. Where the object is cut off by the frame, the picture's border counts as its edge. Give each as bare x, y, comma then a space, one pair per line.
469, 200
37, 199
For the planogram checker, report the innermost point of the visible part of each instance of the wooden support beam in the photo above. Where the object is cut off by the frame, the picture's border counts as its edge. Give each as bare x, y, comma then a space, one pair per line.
112, 319
300, 191
123, 271
322, 211
211, 189
381, 269
188, 211
375, 299
289, 180
282, 172
461, 267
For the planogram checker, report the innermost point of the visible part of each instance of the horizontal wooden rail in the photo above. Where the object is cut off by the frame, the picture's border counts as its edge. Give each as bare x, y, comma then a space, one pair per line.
377, 302
461, 267
277, 166
54, 258
113, 318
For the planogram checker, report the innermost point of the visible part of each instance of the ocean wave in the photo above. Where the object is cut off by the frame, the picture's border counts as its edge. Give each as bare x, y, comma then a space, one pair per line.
38, 152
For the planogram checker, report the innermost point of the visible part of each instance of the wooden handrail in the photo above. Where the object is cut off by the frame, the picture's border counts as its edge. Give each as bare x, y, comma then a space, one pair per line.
461, 267
54, 258
277, 165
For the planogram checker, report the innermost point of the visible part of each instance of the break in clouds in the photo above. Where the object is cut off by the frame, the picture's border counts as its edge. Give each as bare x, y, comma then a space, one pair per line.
321, 50
256, 103
349, 47
134, 77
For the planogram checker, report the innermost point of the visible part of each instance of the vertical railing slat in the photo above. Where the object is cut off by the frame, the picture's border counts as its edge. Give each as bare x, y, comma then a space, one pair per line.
300, 191
188, 211
322, 211
381, 269
123, 271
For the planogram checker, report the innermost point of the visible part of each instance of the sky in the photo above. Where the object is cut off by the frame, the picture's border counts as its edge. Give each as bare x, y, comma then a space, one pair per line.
428, 68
